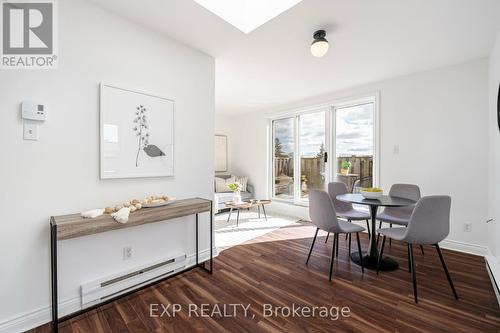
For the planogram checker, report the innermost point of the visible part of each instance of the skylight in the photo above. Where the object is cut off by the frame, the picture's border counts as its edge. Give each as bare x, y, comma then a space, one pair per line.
247, 15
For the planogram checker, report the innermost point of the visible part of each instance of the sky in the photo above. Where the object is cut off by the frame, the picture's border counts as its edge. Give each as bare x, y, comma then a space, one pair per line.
354, 131
354, 127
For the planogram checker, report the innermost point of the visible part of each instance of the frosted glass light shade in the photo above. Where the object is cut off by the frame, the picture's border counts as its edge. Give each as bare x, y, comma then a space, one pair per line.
319, 48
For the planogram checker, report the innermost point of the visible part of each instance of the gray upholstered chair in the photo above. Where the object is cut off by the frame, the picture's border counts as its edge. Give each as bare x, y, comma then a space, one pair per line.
345, 210
429, 224
323, 216
399, 215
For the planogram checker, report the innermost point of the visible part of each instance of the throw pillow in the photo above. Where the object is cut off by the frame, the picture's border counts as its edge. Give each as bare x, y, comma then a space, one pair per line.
221, 184
243, 182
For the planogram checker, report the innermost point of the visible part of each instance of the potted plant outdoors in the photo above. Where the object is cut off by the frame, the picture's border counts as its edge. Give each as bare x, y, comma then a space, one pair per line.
345, 167
236, 188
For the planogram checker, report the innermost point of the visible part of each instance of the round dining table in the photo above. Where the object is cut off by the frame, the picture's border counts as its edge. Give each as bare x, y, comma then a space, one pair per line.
370, 258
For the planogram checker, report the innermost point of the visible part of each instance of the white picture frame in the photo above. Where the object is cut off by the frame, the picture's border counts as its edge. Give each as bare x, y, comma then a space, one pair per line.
220, 153
136, 133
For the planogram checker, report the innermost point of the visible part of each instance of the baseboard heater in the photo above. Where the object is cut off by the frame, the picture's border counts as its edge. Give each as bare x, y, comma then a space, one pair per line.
100, 290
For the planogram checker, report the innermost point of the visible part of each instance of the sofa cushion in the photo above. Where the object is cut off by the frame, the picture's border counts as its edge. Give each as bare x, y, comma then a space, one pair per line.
243, 181
221, 184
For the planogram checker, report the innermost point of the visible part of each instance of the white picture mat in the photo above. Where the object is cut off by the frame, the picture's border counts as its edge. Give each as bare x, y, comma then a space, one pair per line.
118, 141
220, 153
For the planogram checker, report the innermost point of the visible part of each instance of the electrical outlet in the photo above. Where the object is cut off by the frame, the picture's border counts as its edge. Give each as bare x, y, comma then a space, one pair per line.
395, 150
468, 227
127, 252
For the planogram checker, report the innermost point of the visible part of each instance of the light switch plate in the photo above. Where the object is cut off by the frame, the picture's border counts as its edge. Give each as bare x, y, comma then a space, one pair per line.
30, 130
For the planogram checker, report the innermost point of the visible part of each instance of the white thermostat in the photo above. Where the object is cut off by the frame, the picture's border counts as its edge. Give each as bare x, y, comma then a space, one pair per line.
33, 111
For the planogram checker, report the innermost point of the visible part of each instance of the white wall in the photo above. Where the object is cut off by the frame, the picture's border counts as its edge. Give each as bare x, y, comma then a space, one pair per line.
59, 174
494, 150
438, 118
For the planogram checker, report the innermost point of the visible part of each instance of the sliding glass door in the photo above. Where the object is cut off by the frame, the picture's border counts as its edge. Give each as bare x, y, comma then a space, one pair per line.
283, 158
354, 142
302, 143
312, 150
299, 155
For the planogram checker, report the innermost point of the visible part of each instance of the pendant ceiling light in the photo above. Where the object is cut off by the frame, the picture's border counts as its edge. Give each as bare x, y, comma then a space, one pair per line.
319, 46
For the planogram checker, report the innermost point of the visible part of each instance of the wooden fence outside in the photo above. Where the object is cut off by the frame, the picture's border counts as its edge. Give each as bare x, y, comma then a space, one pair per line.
313, 172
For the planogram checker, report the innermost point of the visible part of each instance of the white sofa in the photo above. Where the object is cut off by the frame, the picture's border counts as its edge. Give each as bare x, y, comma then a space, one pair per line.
220, 198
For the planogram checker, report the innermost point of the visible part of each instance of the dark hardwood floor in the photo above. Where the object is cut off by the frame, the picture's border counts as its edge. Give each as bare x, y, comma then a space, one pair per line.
271, 269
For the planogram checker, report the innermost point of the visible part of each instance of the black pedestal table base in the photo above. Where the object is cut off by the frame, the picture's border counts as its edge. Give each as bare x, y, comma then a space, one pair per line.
386, 264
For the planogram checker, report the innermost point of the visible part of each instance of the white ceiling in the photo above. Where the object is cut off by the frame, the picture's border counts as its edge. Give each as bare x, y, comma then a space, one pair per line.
369, 41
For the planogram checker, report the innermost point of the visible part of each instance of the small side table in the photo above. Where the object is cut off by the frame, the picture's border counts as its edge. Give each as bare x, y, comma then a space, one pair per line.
261, 203
238, 207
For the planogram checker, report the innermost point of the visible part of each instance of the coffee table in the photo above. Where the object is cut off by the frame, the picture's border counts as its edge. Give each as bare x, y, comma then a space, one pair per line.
238, 207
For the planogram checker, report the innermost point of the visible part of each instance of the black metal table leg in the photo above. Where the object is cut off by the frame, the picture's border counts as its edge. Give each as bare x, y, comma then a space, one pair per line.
202, 265
370, 259
211, 237
238, 217
229, 217
53, 266
264, 210
197, 259
258, 209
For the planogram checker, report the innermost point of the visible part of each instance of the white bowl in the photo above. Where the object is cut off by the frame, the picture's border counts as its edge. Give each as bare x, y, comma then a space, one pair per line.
371, 195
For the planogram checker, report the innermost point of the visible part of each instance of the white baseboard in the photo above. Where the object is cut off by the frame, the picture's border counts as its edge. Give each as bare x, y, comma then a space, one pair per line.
493, 268
43, 315
459, 246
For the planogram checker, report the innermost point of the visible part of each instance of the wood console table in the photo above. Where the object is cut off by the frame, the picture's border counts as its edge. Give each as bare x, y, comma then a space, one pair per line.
72, 226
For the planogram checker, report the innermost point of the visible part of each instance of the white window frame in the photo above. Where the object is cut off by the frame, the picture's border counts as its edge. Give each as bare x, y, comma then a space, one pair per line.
330, 169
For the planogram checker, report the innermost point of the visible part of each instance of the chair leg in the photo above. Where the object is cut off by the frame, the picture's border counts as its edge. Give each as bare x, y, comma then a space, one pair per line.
380, 254
360, 253
446, 271
378, 236
333, 256
422, 250
347, 234
326, 240
312, 245
337, 245
390, 239
409, 260
349, 244
413, 273
368, 228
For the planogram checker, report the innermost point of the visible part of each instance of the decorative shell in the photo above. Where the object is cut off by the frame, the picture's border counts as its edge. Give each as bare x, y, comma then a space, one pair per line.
126, 204
118, 207
138, 206
132, 208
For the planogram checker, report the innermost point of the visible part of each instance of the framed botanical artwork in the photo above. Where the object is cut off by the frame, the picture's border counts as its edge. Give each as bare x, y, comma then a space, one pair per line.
220, 153
137, 133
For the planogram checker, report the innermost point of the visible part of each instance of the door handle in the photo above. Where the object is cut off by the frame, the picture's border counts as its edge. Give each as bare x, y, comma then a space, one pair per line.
325, 157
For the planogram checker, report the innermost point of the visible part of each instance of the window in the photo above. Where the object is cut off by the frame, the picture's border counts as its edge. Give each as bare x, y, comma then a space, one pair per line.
312, 152
283, 158
299, 148
354, 145
303, 141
